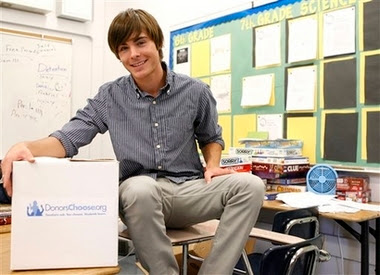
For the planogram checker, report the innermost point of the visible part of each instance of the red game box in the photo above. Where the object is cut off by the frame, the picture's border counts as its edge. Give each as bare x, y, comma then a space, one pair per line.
352, 183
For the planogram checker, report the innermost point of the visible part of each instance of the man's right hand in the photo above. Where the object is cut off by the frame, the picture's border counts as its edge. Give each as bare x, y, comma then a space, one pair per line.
19, 151
48, 147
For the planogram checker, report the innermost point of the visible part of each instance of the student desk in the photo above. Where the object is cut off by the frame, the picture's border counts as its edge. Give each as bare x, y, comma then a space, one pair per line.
361, 217
5, 244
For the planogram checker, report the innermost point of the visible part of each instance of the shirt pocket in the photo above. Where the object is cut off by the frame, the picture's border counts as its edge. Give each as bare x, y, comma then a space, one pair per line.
179, 131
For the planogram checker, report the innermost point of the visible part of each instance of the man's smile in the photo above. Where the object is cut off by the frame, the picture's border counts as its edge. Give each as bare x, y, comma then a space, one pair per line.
138, 64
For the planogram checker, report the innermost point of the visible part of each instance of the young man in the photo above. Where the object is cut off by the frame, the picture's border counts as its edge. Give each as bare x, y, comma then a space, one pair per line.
155, 117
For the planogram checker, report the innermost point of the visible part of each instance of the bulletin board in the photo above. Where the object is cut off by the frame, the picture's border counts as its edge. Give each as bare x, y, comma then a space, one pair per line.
35, 89
309, 69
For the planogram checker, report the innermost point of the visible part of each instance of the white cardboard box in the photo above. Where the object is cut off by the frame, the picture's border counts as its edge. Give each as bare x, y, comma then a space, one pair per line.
64, 214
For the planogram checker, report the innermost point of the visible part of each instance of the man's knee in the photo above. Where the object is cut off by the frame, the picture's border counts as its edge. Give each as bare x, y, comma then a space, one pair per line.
252, 184
139, 192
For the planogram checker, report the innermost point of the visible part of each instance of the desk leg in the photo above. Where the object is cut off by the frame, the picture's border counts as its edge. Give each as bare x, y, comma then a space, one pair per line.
363, 238
377, 238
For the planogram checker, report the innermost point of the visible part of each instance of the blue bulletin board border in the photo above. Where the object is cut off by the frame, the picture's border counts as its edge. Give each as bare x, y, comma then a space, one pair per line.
224, 19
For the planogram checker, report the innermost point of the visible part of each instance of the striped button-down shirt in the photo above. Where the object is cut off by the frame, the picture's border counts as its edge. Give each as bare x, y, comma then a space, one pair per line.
150, 136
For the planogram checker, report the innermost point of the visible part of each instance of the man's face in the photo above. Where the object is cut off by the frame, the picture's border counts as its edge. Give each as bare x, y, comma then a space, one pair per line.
139, 56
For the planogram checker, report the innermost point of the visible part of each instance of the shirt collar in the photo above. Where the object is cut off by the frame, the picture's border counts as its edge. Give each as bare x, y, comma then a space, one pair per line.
165, 89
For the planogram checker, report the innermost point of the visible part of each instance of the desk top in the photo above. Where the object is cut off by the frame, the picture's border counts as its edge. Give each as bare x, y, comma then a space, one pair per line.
5, 241
360, 216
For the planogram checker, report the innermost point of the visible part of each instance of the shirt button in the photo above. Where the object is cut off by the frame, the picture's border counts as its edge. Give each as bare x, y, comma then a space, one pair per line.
158, 146
154, 102
159, 167
156, 124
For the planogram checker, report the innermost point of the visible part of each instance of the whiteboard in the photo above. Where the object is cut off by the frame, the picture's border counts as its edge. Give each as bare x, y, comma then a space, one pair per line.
35, 86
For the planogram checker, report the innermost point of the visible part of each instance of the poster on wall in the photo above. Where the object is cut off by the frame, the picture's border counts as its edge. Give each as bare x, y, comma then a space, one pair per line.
267, 45
339, 32
271, 123
182, 60
221, 89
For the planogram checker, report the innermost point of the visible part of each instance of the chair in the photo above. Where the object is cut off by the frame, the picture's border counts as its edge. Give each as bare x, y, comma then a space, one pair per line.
184, 237
295, 259
301, 222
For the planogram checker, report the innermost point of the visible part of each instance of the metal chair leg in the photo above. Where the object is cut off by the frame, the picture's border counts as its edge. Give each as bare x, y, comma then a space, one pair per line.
246, 262
185, 252
248, 269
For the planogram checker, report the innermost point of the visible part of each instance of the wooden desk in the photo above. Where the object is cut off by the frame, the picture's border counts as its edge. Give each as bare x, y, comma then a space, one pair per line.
361, 217
5, 245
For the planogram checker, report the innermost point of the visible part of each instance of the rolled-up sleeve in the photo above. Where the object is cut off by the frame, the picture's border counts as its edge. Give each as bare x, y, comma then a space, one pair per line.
207, 129
85, 125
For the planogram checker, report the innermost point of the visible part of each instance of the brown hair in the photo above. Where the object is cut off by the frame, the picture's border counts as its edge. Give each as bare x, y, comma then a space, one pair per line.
129, 24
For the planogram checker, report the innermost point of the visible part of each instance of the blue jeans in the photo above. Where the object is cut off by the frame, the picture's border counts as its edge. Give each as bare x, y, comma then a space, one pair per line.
3, 195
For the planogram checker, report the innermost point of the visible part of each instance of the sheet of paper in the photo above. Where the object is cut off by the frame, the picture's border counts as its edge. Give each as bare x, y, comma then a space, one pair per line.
272, 123
221, 53
339, 32
325, 203
304, 199
268, 45
303, 39
257, 90
301, 88
358, 205
221, 89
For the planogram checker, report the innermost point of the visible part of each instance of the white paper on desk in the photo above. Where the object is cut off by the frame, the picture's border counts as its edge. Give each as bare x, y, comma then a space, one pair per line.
358, 205
336, 208
304, 199
325, 203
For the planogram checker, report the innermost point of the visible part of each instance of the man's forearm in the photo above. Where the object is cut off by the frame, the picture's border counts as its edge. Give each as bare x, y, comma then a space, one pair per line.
49, 147
212, 153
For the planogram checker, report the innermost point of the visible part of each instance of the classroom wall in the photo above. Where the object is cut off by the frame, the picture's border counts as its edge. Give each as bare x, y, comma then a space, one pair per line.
88, 40
344, 249
105, 67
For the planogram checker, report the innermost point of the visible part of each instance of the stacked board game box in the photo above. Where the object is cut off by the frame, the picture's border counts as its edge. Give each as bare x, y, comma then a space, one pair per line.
5, 218
282, 177
353, 188
272, 171
275, 147
271, 143
280, 162
237, 163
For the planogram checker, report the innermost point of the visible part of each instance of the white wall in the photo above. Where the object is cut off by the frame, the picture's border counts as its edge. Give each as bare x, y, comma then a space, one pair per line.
100, 65
87, 47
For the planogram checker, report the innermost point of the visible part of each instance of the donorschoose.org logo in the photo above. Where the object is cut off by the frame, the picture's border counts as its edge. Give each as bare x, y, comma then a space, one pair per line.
67, 209
34, 210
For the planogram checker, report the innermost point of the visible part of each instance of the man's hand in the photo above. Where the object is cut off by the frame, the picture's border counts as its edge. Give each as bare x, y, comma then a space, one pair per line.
216, 171
48, 147
19, 151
